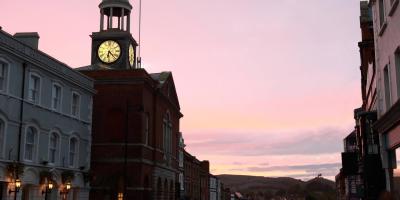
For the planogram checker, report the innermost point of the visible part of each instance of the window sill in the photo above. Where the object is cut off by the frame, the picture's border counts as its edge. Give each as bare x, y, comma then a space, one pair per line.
56, 110
383, 28
393, 8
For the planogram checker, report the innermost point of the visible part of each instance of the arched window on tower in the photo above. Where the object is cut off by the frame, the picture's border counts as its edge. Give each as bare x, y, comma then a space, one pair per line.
167, 133
146, 128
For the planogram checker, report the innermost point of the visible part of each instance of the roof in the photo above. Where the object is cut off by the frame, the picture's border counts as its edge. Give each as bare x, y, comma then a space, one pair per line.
43, 60
93, 67
161, 77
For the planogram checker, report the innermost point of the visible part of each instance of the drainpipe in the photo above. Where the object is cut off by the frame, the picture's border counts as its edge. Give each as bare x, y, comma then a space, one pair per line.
21, 114
126, 149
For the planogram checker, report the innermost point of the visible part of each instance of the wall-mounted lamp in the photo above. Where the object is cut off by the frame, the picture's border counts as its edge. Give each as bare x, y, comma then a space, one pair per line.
48, 189
17, 183
66, 189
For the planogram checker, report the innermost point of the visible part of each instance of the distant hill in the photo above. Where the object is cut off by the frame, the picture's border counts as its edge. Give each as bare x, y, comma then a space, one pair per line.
259, 187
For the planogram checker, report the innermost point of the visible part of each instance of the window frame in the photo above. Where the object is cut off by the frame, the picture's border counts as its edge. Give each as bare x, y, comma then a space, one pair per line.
387, 87
76, 153
77, 115
6, 65
146, 128
382, 16
39, 89
3, 131
393, 7
57, 148
34, 144
397, 69
167, 133
55, 84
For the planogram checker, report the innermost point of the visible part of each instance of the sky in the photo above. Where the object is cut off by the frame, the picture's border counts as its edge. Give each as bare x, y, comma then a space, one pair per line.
266, 87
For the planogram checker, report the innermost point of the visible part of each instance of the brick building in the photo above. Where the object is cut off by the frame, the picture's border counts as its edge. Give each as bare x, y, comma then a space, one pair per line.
135, 135
135, 116
196, 177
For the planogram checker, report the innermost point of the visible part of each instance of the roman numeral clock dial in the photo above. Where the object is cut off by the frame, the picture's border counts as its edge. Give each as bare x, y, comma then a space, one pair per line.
109, 51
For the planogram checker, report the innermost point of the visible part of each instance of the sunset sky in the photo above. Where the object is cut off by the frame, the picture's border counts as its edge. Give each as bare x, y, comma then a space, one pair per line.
266, 87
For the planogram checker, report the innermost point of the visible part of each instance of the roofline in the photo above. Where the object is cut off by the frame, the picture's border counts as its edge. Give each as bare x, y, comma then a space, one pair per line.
38, 57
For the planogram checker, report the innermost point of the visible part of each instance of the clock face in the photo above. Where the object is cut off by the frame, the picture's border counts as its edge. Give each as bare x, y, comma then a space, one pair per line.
109, 51
131, 55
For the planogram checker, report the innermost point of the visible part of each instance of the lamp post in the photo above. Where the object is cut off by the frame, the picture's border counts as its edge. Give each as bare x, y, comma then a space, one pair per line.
49, 188
17, 183
65, 191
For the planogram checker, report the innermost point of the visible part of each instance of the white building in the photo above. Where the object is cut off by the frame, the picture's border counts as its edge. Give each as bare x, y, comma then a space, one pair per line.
386, 20
45, 123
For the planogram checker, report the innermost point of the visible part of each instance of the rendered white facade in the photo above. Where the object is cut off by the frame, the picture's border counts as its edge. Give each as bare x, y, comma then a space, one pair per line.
45, 123
386, 20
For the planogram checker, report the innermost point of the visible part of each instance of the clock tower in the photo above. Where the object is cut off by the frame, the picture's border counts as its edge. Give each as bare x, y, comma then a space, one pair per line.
113, 47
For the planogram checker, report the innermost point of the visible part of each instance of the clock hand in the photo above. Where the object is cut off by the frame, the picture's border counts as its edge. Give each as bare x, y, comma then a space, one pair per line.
113, 55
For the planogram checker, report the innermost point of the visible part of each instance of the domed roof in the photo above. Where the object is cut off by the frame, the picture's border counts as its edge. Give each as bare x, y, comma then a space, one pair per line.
115, 3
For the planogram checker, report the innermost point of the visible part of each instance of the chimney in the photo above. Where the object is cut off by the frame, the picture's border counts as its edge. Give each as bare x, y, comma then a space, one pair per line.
205, 165
29, 38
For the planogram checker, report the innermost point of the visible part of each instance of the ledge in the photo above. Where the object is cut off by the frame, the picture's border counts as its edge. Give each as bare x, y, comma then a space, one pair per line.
390, 119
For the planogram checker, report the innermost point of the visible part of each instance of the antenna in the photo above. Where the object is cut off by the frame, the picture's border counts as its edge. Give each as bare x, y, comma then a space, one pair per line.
140, 25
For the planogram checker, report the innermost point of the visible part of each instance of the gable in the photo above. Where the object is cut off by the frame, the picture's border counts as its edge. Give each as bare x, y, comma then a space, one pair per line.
167, 87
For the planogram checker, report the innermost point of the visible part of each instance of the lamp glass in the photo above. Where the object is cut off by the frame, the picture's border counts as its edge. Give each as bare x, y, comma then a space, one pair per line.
120, 196
17, 183
50, 185
68, 186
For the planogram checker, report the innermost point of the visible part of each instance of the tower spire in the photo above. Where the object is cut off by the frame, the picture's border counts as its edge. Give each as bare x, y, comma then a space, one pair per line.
115, 15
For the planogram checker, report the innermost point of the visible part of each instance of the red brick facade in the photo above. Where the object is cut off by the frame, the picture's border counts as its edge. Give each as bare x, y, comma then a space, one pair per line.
196, 178
135, 135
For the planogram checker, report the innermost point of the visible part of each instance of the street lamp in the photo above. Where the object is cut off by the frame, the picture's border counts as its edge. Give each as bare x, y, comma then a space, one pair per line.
66, 189
17, 183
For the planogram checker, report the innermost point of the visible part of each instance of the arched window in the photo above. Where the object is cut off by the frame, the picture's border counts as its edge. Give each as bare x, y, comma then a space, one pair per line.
53, 147
3, 75
167, 133
146, 129
73, 151
30, 143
